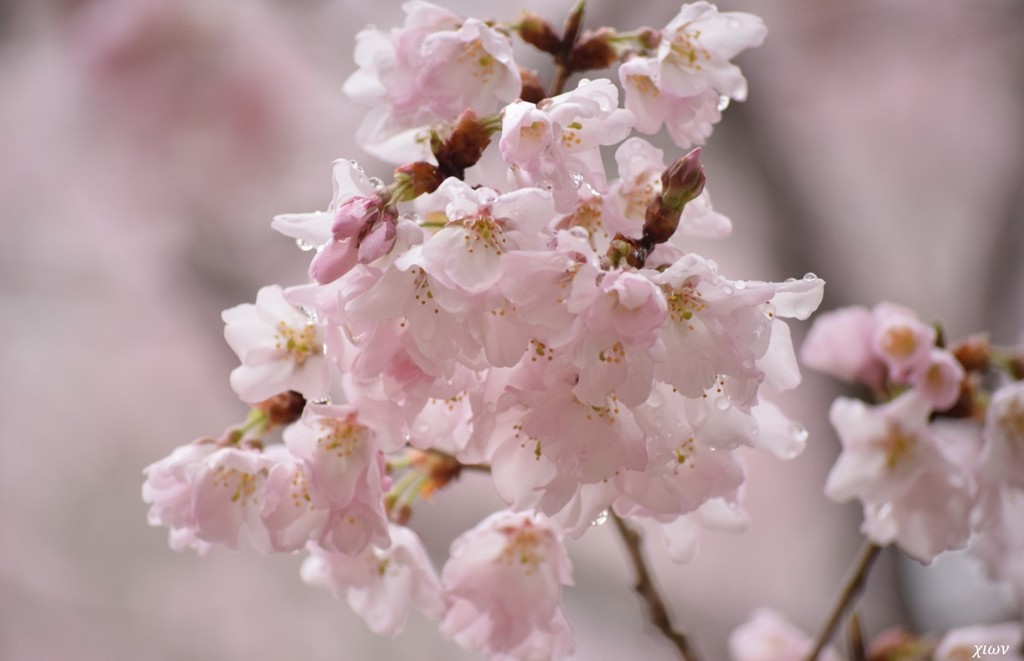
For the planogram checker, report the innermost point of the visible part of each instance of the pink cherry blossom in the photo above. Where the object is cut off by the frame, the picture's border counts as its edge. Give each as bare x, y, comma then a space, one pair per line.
768, 636
280, 348
839, 344
914, 490
557, 144
227, 495
168, 491
1002, 456
430, 70
381, 585
503, 583
697, 46
939, 380
689, 119
901, 340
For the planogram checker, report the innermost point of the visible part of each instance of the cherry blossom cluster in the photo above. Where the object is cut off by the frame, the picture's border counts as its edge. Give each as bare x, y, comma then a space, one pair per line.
504, 305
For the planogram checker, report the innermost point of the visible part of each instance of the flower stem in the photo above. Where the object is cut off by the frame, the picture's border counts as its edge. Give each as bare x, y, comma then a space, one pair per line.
645, 587
851, 591
569, 36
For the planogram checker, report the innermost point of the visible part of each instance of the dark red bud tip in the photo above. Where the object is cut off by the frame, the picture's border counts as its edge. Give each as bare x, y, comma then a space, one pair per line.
683, 181
533, 87
537, 32
466, 144
594, 51
421, 177
974, 353
283, 409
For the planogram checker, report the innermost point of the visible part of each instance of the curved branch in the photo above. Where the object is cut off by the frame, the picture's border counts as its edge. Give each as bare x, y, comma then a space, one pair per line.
649, 592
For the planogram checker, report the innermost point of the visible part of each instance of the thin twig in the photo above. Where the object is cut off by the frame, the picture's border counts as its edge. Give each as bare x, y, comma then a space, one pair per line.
649, 592
569, 36
851, 591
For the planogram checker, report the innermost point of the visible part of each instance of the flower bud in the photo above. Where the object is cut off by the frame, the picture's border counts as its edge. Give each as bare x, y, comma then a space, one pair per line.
420, 177
354, 213
660, 222
282, 409
683, 181
973, 353
594, 51
537, 32
649, 38
533, 88
466, 144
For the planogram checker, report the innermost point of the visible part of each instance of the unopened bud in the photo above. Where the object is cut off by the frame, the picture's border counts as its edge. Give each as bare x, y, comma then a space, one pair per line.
683, 181
420, 178
537, 32
594, 51
649, 38
974, 353
282, 409
533, 87
466, 144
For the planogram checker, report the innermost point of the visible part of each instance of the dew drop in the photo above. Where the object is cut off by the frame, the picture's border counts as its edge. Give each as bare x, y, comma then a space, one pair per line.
376, 182
601, 518
798, 432
545, 185
727, 290
810, 276
722, 404
579, 232
320, 400
790, 279
577, 179
304, 246
723, 102
740, 284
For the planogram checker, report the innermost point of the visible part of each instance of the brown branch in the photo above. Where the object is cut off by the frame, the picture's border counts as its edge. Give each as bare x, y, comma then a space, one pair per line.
569, 36
649, 592
851, 591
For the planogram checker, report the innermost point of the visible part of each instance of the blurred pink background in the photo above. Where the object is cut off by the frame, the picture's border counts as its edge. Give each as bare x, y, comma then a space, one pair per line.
146, 144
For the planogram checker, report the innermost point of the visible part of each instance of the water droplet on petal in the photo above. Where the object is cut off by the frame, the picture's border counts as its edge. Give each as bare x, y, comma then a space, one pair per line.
740, 284
722, 404
320, 400
601, 518
790, 279
723, 102
810, 276
577, 179
304, 246
376, 182
545, 185
798, 432
727, 290
579, 232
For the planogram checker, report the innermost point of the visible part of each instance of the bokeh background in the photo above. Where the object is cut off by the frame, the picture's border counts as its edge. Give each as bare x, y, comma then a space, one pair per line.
145, 146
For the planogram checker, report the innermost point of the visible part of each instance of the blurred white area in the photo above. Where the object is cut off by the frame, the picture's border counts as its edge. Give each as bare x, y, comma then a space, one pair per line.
147, 143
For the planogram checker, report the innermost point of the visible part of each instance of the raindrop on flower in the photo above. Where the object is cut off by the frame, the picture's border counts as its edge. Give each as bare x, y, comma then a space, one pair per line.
579, 232
304, 246
601, 518
545, 185
723, 102
810, 276
727, 290
376, 182
740, 284
320, 400
722, 404
798, 432
577, 179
